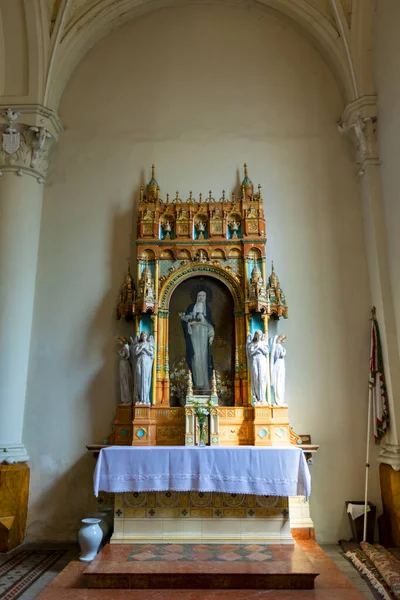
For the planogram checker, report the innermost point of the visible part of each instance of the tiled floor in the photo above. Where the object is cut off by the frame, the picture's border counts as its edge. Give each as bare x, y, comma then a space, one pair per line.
338, 580
200, 552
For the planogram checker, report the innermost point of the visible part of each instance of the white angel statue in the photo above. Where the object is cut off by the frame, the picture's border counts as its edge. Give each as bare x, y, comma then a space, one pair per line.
142, 357
277, 368
125, 373
257, 360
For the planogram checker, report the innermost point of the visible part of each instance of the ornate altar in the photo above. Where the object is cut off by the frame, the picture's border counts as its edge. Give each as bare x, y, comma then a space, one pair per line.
214, 247
202, 302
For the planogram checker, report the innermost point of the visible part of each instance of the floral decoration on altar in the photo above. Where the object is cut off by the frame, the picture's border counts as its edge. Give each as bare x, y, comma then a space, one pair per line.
178, 385
201, 412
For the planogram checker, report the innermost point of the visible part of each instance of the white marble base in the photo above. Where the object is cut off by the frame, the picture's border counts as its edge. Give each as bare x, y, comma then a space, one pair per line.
299, 512
204, 531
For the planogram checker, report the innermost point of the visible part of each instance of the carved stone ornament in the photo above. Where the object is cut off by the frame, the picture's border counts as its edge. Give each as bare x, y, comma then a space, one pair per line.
24, 150
11, 136
41, 135
359, 120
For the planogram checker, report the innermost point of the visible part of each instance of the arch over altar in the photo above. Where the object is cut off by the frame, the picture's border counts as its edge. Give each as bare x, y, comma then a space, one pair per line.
194, 269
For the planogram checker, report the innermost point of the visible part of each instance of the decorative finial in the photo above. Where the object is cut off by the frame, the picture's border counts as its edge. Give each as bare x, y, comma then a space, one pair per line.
153, 188
190, 384
247, 185
191, 196
213, 385
210, 195
167, 198
177, 196
223, 195
200, 197
273, 278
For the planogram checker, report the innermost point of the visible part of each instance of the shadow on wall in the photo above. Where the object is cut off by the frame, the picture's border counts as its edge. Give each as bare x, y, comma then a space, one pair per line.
62, 493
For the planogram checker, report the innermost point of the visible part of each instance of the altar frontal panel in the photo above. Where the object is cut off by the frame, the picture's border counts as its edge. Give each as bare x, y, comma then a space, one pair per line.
194, 516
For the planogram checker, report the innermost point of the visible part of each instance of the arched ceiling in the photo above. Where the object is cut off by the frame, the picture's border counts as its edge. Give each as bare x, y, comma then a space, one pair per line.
67, 29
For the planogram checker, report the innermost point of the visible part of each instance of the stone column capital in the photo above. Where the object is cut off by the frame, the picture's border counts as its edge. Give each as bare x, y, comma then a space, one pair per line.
359, 120
27, 131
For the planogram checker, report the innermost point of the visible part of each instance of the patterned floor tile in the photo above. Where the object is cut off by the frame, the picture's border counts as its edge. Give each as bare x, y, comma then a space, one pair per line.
201, 552
174, 547
230, 556
257, 556
172, 556
144, 556
255, 548
202, 555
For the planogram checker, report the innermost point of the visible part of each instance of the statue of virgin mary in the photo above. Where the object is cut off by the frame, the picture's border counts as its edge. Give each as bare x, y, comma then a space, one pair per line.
198, 329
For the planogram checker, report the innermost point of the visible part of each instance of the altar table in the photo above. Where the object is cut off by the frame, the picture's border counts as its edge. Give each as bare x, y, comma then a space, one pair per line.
264, 471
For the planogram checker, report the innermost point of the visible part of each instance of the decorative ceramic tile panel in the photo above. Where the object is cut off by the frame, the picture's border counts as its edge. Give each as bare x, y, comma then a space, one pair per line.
198, 505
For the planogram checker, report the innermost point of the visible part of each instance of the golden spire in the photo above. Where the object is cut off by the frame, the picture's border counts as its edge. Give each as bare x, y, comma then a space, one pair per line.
273, 278
247, 184
152, 187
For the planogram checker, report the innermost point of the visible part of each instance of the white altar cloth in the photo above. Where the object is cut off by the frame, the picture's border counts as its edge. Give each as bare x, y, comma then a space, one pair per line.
263, 471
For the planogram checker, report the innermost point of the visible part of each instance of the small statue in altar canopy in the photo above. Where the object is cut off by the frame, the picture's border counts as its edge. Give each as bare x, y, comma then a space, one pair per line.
142, 357
257, 359
125, 374
277, 368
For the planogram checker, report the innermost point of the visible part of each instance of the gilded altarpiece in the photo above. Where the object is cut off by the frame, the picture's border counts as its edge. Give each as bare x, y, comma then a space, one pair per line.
183, 247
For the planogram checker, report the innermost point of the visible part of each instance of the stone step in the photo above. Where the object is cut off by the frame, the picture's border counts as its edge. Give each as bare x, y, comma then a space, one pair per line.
200, 566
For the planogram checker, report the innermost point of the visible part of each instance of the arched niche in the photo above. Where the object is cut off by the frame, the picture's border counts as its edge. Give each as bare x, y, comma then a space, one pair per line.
167, 255
254, 254
183, 254
220, 318
148, 255
218, 253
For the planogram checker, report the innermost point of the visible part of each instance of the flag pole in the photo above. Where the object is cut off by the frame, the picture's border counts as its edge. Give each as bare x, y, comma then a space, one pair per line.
367, 470
373, 312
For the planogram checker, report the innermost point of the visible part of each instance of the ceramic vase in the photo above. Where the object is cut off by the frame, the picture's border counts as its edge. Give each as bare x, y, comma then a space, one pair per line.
202, 434
89, 538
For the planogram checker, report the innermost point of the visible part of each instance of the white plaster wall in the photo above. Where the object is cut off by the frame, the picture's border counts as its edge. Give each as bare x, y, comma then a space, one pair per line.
198, 90
387, 65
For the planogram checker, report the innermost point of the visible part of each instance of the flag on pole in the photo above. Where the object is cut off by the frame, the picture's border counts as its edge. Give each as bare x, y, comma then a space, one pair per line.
377, 386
